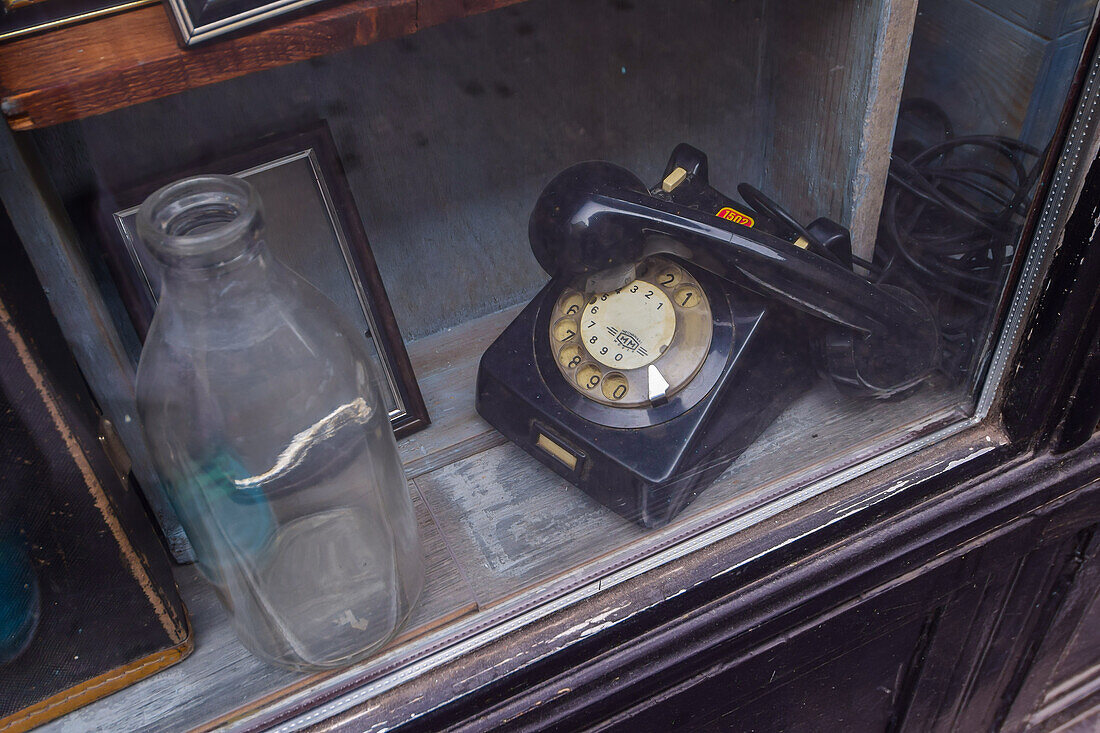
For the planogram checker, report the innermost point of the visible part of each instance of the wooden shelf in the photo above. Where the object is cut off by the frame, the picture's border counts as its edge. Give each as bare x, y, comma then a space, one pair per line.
133, 57
501, 535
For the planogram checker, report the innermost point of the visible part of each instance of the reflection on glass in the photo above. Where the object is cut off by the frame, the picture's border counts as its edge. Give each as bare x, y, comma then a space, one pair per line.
951, 218
985, 85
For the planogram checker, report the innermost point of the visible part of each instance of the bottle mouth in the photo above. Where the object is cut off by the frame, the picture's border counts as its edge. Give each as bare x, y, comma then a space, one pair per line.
201, 221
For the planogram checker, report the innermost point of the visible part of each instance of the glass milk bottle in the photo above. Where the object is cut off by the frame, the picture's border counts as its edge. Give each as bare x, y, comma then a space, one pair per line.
262, 411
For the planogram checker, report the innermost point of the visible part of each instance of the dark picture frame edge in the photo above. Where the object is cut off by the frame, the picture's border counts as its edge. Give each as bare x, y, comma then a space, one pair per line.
134, 291
40, 17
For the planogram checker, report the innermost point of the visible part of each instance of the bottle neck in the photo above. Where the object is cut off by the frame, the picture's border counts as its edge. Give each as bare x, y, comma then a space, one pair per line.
217, 283
201, 226
207, 235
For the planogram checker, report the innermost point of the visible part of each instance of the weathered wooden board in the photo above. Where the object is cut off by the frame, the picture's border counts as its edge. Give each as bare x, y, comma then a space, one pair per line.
513, 524
79, 307
834, 74
221, 680
510, 523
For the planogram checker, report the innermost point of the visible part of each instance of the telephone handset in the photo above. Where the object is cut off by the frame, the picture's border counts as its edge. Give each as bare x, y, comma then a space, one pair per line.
676, 327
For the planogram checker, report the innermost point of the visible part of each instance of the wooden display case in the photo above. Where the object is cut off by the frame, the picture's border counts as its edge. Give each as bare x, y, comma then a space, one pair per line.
447, 131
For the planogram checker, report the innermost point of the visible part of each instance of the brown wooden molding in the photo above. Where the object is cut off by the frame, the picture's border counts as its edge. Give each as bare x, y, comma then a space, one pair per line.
120, 60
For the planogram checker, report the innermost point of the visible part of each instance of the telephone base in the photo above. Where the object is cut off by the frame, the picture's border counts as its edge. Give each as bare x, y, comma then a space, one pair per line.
650, 472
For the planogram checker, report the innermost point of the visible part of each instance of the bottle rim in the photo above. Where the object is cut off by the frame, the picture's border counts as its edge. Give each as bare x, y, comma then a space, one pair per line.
200, 221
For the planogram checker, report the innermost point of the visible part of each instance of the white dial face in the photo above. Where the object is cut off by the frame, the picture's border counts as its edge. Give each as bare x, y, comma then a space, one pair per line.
629, 328
635, 345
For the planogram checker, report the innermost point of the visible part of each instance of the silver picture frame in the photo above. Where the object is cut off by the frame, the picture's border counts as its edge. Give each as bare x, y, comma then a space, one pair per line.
196, 21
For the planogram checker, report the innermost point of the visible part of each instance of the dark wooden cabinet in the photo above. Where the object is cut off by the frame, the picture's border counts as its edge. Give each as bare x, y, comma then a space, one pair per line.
948, 579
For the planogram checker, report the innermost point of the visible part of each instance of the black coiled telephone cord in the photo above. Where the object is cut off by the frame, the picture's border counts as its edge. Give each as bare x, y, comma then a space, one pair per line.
951, 219
950, 224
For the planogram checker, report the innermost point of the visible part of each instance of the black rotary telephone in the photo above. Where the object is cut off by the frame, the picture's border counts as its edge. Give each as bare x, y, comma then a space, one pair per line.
676, 327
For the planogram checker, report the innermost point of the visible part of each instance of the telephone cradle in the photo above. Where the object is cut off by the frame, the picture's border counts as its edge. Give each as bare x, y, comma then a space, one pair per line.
677, 325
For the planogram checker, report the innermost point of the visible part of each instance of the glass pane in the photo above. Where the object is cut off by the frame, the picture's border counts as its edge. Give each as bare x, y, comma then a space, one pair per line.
985, 88
793, 265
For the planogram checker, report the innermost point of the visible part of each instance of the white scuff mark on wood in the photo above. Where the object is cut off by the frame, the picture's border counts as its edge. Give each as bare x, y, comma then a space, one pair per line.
590, 626
938, 467
513, 661
509, 660
597, 628
677, 593
875, 498
974, 454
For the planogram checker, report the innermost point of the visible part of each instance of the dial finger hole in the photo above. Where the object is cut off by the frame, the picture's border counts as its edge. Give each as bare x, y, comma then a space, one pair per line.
565, 329
589, 376
668, 277
615, 386
571, 303
570, 357
686, 296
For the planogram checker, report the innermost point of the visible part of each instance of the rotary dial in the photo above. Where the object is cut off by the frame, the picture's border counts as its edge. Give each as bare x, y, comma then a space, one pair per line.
636, 345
